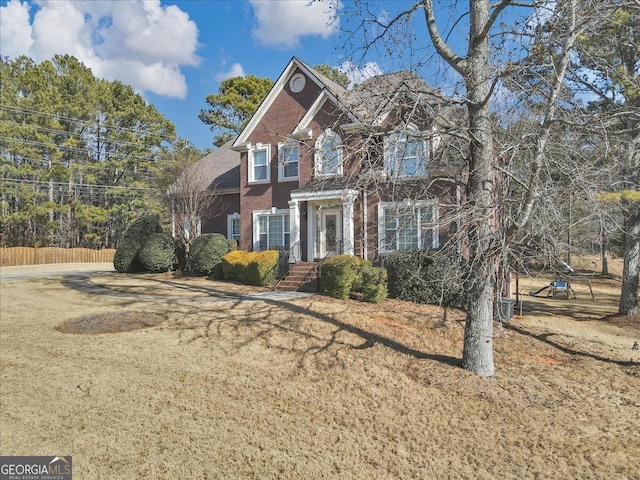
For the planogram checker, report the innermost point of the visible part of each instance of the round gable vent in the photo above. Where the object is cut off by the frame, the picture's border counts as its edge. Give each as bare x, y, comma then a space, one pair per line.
297, 83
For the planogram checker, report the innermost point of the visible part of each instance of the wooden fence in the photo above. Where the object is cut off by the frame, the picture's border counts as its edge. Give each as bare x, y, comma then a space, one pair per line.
35, 256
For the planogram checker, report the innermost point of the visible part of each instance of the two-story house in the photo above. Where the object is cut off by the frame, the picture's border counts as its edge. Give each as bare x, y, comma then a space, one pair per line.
326, 170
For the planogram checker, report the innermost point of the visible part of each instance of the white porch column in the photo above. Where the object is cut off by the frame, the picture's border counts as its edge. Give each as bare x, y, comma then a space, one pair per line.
348, 233
294, 231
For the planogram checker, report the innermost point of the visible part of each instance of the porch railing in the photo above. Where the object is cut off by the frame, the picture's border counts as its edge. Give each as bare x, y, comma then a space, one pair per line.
283, 262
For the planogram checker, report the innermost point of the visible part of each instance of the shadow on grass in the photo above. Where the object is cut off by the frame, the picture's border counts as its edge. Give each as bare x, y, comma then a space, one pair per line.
547, 339
262, 316
82, 283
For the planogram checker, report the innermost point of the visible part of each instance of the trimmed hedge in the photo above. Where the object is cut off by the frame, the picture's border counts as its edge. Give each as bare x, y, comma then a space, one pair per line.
126, 258
338, 274
235, 265
343, 275
421, 277
156, 255
263, 267
206, 252
374, 284
251, 268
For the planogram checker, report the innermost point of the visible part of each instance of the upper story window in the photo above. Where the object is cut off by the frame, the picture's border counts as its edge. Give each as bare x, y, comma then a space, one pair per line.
408, 226
259, 163
406, 153
288, 161
328, 154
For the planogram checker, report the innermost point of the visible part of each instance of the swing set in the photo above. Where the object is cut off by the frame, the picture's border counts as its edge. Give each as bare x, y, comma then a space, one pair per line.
561, 287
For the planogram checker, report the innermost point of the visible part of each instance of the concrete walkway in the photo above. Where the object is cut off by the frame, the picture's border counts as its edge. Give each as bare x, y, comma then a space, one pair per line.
78, 275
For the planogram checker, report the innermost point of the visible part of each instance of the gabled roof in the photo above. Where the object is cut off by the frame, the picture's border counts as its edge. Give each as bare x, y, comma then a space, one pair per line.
369, 103
278, 86
217, 171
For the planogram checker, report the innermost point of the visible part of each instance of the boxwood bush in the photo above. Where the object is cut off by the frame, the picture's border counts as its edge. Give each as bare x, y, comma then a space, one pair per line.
342, 275
205, 255
337, 275
126, 256
157, 253
426, 277
373, 281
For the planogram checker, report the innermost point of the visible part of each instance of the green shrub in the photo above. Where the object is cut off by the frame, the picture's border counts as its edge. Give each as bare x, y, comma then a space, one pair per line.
233, 245
205, 255
156, 255
373, 282
180, 257
262, 268
126, 256
357, 284
337, 275
421, 277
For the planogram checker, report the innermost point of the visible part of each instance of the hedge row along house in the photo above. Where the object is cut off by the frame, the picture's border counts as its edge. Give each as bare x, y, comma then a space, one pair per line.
322, 170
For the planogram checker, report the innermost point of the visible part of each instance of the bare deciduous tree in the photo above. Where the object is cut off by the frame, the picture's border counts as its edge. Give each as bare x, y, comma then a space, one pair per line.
495, 49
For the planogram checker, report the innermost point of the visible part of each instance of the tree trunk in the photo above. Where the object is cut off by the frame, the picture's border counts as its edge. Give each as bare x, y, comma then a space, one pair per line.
477, 355
631, 271
604, 250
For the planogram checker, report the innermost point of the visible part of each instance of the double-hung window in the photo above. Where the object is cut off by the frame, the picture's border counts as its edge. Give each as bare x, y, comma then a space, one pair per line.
408, 226
271, 231
289, 161
406, 153
328, 154
259, 160
233, 227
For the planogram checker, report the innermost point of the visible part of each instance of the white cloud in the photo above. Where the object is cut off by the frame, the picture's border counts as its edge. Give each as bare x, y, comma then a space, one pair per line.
281, 24
236, 70
15, 30
138, 42
358, 74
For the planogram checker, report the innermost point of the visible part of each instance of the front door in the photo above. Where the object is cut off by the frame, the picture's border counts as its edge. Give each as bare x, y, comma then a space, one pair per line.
328, 233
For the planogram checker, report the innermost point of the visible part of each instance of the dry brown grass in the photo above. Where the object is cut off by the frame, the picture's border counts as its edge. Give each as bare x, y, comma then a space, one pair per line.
312, 388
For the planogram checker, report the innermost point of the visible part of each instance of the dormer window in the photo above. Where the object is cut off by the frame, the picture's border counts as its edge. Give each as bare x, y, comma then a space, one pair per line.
406, 153
288, 161
328, 154
259, 164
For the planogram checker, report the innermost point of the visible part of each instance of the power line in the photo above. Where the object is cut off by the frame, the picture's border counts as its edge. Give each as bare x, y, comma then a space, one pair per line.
84, 151
75, 185
83, 122
80, 168
83, 136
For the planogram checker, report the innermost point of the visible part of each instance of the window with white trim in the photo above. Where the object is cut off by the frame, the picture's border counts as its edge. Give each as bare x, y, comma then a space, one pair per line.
288, 161
233, 227
408, 226
406, 153
259, 163
328, 154
271, 231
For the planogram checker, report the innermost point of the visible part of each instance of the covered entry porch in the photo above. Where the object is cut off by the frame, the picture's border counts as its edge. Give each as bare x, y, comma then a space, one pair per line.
329, 225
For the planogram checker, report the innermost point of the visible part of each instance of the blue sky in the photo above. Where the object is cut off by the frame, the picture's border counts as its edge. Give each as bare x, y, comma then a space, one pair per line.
175, 53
